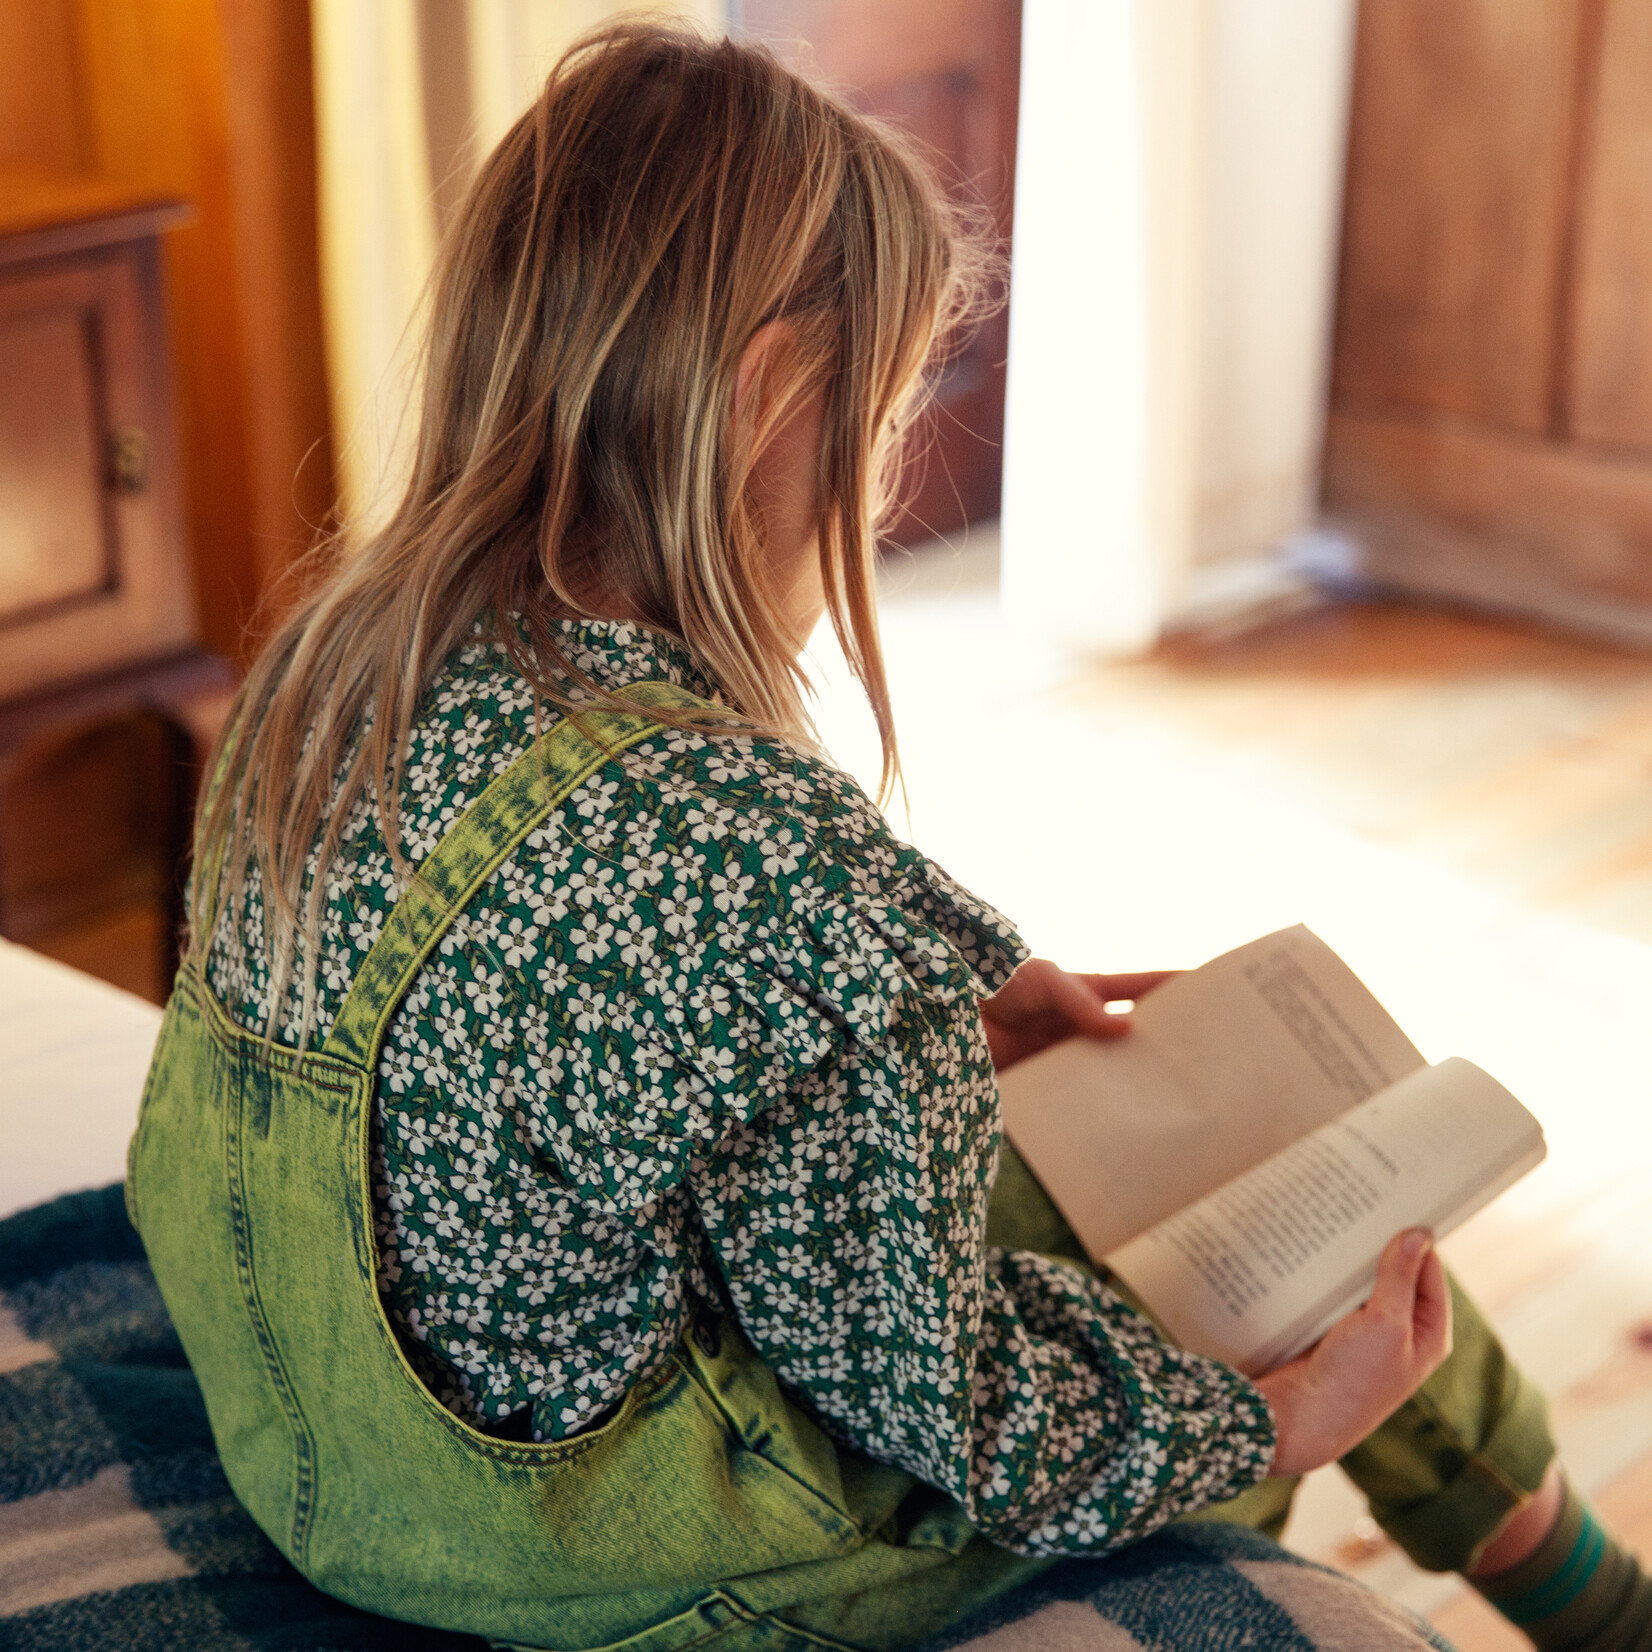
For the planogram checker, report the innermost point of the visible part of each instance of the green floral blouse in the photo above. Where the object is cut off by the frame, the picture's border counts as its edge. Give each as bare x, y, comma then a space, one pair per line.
711, 1036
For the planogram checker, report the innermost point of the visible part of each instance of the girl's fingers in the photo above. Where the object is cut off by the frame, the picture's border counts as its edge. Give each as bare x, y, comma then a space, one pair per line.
1046, 1003
1432, 1321
1080, 998
1109, 987
1080, 1007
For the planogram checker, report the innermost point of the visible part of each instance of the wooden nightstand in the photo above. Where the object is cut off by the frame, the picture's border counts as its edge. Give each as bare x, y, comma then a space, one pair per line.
107, 699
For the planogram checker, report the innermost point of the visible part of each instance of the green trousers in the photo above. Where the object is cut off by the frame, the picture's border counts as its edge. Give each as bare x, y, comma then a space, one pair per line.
1441, 1474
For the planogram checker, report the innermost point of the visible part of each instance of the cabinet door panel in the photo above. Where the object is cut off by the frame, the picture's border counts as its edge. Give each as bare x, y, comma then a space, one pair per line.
1519, 522
1611, 389
92, 566
54, 525
1460, 165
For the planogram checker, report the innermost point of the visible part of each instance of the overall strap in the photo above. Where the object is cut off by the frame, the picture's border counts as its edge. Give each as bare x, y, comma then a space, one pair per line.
474, 847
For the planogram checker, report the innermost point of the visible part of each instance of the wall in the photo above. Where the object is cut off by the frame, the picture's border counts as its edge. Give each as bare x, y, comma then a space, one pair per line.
1177, 196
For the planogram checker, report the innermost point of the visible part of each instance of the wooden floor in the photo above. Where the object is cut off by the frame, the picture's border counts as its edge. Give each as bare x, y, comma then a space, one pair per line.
1517, 758
1514, 758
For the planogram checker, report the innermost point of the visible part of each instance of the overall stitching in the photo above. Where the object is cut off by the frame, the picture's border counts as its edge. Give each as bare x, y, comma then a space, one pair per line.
399, 951
303, 1442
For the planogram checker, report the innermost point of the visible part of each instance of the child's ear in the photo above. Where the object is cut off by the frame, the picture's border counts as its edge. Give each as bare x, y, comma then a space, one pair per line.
770, 340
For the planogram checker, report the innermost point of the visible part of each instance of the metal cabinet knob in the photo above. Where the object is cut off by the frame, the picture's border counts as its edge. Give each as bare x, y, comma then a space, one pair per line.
128, 459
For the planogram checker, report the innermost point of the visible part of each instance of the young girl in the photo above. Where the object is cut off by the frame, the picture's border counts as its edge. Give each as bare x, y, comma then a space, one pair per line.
568, 1156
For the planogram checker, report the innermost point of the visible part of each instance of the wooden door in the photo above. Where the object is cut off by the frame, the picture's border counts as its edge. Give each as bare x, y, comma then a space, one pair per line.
1491, 427
1608, 387
949, 72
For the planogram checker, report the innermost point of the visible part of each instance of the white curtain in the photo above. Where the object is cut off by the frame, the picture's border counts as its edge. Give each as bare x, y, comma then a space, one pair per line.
410, 94
1178, 195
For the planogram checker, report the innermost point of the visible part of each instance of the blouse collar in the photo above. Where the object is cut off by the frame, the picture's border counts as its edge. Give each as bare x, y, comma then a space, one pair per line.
615, 653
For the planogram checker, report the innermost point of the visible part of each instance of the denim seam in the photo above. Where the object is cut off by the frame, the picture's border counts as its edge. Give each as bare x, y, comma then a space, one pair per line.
745, 1618
329, 1071
635, 728
419, 949
643, 1639
303, 1443
805, 1634
861, 1535
524, 1454
134, 1147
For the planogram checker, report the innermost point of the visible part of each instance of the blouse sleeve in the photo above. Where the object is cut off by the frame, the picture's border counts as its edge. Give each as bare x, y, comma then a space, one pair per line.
847, 1219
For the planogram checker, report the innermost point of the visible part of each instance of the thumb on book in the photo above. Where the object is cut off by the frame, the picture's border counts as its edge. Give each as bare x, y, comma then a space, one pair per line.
1398, 1268
1411, 1291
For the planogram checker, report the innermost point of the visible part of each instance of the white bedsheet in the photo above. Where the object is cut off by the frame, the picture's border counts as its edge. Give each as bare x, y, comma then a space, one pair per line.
73, 1055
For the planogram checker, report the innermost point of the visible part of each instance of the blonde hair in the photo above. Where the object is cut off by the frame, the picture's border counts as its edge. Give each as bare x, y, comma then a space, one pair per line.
664, 198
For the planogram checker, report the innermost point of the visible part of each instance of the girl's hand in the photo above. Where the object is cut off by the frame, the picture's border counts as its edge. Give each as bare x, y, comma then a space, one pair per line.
1368, 1364
1041, 1004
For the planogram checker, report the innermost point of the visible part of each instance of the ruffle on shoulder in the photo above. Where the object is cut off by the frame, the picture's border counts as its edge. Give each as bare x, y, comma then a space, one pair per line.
836, 974
985, 939
799, 937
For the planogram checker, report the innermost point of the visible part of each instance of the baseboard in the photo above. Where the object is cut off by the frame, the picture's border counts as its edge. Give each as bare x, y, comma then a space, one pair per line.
1241, 592
1416, 559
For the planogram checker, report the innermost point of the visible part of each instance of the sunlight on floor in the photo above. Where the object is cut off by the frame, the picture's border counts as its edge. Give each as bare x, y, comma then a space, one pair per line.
1118, 839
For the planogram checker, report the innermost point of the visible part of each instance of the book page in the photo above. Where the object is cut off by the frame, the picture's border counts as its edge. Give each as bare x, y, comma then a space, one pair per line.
1261, 1268
1225, 1066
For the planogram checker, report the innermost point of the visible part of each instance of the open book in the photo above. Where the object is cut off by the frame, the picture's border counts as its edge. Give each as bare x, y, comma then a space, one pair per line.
1241, 1158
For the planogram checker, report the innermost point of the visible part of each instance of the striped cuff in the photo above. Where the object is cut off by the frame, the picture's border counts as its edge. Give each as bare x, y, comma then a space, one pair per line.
1580, 1592
1558, 1591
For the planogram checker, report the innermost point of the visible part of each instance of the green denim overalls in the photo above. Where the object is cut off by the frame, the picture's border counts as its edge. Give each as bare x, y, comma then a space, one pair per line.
710, 1508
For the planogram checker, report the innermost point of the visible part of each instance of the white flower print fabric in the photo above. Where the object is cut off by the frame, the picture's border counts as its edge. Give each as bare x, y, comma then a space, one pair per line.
711, 1037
